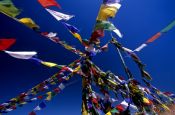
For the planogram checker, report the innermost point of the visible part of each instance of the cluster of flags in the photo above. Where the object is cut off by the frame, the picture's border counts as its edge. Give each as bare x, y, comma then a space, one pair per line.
132, 97
108, 9
61, 17
45, 91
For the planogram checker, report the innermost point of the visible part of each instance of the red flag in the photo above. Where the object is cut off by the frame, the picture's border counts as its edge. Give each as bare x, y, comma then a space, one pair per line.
105, 47
6, 43
32, 113
154, 37
97, 34
49, 3
120, 108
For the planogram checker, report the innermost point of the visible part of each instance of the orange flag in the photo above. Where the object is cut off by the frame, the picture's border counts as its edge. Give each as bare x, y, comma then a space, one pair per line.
49, 3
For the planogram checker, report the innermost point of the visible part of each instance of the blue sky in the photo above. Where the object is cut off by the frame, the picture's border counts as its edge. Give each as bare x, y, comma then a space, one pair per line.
137, 20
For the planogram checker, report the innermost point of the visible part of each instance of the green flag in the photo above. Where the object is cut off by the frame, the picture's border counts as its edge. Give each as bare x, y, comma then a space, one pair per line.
106, 25
7, 7
169, 27
115, 111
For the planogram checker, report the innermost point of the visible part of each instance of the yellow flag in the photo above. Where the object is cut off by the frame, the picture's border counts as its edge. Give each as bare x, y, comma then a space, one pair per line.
76, 35
29, 22
114, 83
77, 69
165, 107
68, 47
84, 111
108, 113
145, 100
106, 12
49, 97
49, 64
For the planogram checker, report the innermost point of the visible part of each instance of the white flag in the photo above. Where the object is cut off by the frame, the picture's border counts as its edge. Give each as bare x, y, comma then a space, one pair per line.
117, 5
61, 86
37, 108
132, 107
140, 47
59, 16
21, 54
118, 33
51, 35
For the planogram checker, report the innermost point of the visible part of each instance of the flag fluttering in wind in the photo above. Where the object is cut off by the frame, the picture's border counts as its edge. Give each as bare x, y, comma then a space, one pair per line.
49, 3
106, 12
7, 7
29, 23
6, 43
59, 16
21, 54
73, 30
106, 25
112, 3
41, 106
156, 36
48, 64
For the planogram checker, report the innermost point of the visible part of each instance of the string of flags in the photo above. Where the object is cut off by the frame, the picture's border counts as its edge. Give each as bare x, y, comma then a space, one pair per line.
156, 36
129, 96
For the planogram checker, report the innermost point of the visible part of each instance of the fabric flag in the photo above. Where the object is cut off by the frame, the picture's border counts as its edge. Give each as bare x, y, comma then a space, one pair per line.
112, 3
41, 106
140, 47
96, 35
146, 75
29, 23
106, 25
49, 64
70, 27
77, 69
51, 34
6, 43
21, 55
73, 30
147, 101
168, 94
49, 96
61, 86
133, 109
49, 3
106, 12
7, 7
59, 16
105, 47
156, 36
32, 113
168, 28
115, 111
76, 35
